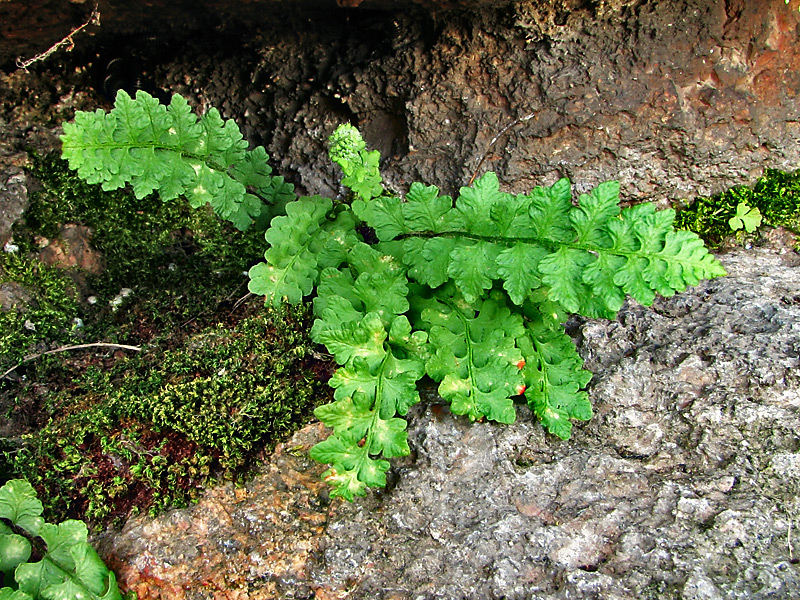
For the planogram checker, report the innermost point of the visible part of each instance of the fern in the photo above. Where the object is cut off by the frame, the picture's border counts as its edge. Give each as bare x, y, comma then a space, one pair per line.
471, 293
587, 257
168, 149
69, 567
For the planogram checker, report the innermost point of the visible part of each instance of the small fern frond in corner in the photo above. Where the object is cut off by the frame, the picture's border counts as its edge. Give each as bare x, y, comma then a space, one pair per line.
69, 567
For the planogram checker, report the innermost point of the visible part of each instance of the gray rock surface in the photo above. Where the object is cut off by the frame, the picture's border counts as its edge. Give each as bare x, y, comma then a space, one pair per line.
684, 485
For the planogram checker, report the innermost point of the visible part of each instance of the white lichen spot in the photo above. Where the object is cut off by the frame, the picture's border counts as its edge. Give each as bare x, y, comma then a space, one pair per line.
117, 301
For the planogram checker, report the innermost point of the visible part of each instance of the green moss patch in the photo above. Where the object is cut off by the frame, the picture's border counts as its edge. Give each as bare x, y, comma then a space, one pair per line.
154, 430
776, 195
103, 432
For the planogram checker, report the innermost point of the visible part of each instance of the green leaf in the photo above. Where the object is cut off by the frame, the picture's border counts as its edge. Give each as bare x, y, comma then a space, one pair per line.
169, 150
563, 273
473, 268
518, 266
745, 217
19, 504
14, 550
351, 416
475, 357
476, 203
428, 260
385, 216
426, 210
554, 378
593, 213
302, 244
549, 212
389, 438
363, 339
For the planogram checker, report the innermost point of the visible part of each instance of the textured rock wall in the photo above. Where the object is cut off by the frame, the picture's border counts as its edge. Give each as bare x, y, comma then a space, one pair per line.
674, 98
684, 485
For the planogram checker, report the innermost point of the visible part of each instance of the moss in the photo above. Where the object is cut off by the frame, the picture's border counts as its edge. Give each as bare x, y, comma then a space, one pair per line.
180, 262
156, 429
48, 313
776, 195
218, 381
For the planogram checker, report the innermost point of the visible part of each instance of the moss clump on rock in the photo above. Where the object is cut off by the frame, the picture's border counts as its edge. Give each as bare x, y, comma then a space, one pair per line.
155, 429
776, 195
104, 433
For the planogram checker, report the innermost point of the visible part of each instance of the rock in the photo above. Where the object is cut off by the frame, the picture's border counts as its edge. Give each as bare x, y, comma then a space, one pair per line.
684, 485
673, 99
72, 248
31, 27
248, 542
14, 296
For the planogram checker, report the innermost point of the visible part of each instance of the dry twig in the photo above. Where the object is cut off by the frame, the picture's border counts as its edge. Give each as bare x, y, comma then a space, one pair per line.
94, 19
75, 347
516, 121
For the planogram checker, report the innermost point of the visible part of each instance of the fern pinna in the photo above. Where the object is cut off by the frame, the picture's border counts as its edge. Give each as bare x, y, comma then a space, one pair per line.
470, 292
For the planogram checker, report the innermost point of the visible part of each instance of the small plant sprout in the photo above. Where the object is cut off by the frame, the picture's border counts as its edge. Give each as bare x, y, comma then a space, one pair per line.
746, 218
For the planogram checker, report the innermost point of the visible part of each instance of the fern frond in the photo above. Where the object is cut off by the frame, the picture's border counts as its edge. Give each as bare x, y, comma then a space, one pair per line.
168, 149
553, 373
587, 256
475, 358
305, 241
360, 166
359, 309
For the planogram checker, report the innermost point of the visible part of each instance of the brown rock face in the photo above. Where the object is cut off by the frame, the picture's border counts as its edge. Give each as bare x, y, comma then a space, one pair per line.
72, 248
673, 99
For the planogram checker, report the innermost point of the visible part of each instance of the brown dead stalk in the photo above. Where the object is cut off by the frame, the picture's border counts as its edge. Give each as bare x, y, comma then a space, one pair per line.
75, 347
94, 19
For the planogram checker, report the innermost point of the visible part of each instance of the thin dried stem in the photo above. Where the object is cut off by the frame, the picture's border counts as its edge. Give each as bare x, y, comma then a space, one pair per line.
94, 19
31, 357
513, 123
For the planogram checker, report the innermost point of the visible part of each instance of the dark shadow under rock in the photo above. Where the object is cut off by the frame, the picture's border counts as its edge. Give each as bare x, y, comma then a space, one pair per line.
684, 485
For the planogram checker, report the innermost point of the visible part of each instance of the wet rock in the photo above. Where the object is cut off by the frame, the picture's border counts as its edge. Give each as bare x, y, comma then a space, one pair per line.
13, 200
239, 542
684, 485
13, 191
72, 248
13, 296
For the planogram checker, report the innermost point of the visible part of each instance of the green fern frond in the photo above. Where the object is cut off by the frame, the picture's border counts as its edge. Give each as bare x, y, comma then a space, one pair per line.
589, 256
69, 567
309, 238
475, 356
170, 150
